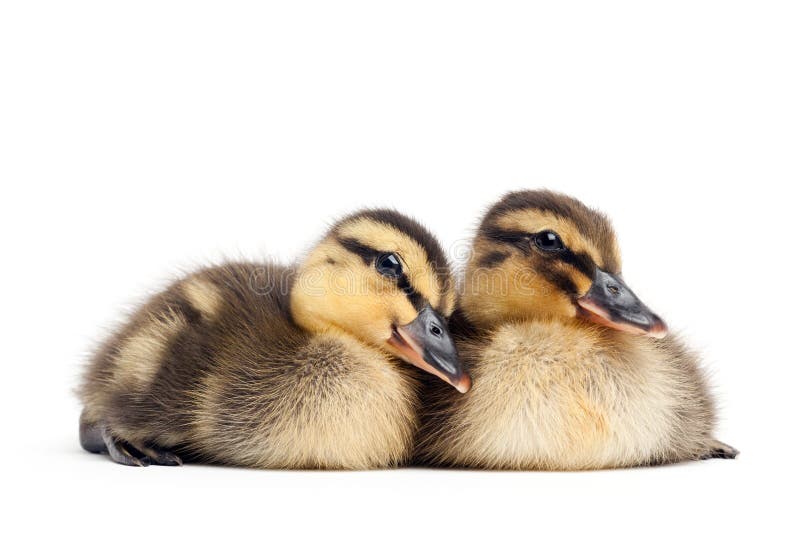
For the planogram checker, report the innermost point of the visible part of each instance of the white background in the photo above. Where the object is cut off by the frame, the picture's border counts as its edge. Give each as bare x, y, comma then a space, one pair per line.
143, 138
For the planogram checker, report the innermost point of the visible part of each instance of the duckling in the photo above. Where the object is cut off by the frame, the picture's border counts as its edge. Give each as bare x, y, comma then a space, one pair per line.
270, 366
571, 370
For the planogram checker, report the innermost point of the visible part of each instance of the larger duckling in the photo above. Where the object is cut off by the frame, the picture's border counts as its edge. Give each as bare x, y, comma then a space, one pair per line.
571, 369
263, 365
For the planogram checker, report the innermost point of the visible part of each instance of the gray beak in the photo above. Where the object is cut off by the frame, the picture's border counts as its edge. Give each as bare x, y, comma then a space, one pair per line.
426, 343
612, 303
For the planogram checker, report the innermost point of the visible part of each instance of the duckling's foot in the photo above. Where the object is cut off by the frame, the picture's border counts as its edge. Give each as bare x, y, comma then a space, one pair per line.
125, 453
717, 449
159, 456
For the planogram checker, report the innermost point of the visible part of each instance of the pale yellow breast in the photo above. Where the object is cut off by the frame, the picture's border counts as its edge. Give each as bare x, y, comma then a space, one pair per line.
554, 396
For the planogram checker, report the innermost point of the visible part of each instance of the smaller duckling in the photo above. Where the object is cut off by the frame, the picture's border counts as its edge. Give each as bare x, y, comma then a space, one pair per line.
571, 369
263, 365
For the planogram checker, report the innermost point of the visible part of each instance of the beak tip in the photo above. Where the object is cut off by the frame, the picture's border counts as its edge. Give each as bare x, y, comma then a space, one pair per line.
658, 331
463, 384
631, 315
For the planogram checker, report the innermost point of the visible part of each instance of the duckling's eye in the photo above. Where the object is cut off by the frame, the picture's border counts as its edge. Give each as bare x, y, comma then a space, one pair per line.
548, 241
389, 265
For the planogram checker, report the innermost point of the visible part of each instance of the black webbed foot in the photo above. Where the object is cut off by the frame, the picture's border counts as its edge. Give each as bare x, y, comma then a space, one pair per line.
718, 449
125, 453
160, 456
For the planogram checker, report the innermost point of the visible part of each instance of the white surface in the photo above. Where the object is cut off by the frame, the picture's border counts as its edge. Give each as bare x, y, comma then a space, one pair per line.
140, 139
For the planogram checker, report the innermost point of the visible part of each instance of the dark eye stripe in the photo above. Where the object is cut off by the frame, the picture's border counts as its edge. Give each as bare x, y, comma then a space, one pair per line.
414, 296
493, 259
369, 255
437, 259
364, 252
562, 282
521, 240
580, 260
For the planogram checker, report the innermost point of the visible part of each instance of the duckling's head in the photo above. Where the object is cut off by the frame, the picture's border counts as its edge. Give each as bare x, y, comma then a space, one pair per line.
540, 254
383, 278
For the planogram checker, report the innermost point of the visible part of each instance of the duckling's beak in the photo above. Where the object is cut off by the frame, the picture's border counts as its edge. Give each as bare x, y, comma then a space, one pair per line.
426, 343
611, 303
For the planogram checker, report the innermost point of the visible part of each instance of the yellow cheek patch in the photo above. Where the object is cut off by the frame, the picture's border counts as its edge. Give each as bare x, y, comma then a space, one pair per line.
582, 283
336, 291
511, 291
